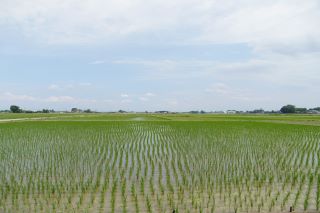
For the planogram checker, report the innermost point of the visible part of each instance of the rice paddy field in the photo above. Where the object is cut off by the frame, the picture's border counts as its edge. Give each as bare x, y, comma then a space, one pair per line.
159, 163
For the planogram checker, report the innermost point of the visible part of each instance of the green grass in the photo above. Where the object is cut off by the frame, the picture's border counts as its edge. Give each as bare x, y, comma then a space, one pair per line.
33, 115
284, 118
145, 163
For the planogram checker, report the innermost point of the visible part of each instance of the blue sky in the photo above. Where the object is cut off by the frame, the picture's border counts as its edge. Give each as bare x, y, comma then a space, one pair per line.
154, 55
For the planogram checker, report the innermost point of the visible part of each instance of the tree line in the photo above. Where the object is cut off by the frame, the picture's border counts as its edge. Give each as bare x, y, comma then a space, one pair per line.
17, 109
287, 109
293, 109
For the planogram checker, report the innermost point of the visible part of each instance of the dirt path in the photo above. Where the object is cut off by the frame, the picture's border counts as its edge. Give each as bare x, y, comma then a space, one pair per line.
32, 119
22, 119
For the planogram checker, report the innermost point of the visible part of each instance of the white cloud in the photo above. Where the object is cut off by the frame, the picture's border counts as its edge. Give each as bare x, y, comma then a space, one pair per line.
97, 62
107, 101
68, 86
172, 103
124, 95
299, 70
125, 101
150, 94
85, 84
283, 34
143, 99
54, 87
265, 25
8, 96
63, 99
219, 88
147, 96
11, 97
225, 91
171, 69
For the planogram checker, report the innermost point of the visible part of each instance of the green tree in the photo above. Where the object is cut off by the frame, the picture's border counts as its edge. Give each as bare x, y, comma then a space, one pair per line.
288, 109
301, 110
74, 110
15, 109
45, 111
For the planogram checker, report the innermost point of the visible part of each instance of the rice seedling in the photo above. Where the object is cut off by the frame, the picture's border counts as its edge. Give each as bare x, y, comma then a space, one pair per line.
158, 166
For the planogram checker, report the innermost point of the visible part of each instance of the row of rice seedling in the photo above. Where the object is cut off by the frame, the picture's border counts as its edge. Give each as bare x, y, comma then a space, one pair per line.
158, 166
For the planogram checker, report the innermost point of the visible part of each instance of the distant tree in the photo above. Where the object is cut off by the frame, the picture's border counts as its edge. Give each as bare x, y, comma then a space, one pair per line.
259, 111
87, 111
121, 111
45, 111
273, 112
301, 110
316, 108
194, 112
74, 110
288, 109
15, 109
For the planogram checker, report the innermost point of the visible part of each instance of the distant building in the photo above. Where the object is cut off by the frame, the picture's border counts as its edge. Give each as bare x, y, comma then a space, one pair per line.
257, 111
231, 111
312, 111
162, 112
194, 112
217, 112
76, 110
